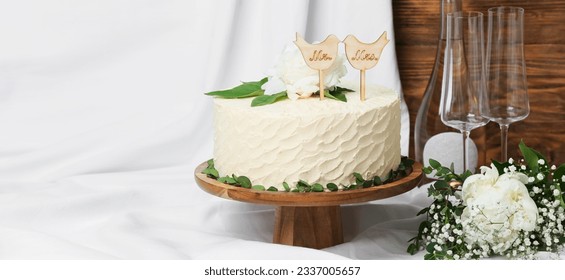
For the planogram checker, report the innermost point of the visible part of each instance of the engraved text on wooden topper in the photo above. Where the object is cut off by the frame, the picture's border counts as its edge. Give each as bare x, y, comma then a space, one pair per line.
319, 56
363, 56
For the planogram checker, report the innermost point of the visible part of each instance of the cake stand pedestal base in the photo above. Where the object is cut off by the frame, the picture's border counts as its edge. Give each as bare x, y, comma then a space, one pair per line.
312, 227
311, 219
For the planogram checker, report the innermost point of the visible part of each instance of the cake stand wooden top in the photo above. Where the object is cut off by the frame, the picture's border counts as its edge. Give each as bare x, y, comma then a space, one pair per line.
226, 191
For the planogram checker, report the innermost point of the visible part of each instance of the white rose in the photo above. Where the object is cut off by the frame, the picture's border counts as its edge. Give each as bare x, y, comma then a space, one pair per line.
300, 81
498, 208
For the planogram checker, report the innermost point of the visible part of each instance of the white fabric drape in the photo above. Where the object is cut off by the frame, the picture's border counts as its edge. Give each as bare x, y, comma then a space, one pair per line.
103, 120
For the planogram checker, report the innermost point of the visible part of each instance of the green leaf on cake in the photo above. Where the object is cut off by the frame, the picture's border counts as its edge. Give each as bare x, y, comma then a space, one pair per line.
358, 178
268, 99
337, 93
303, 186
253, 89
332, 187
227, 180
377, 181
258, 187
244, 182
210, 170
317, 188
247, 89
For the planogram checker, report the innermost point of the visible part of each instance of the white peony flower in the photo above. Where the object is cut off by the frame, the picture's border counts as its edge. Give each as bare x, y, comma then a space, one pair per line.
300, 81
498, 208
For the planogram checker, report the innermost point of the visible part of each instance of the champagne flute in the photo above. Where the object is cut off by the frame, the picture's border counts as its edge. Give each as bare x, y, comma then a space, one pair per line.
464, 75
507, 94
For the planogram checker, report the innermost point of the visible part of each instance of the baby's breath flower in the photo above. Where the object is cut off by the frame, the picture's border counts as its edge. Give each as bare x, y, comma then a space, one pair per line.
494, 223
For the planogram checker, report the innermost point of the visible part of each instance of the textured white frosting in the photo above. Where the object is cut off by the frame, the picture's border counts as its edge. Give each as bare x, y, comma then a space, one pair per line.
308, 139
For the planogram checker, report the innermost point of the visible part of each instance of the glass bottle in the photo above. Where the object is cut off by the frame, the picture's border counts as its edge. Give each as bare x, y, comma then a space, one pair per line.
433, 139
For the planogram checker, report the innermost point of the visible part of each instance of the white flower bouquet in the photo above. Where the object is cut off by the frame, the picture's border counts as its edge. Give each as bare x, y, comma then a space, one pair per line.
511, 209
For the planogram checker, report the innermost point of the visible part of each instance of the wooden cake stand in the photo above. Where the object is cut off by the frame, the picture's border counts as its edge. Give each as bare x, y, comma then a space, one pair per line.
311, 219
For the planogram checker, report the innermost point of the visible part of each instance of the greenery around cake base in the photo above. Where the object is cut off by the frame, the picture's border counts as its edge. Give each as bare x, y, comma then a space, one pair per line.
302, 186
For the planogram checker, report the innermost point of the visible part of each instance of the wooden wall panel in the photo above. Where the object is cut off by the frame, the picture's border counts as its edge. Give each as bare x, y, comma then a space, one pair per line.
416, 31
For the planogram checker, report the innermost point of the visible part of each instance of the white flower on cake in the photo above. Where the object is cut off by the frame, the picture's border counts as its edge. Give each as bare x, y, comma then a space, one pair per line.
291, 74
498, 208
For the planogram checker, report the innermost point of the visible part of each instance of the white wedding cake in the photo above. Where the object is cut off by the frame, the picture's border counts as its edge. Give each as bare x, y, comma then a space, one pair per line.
318, 141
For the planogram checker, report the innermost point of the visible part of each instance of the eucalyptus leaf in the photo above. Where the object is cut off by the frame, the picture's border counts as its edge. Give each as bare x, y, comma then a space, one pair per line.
286, 186
227, 180
332, 187
258, 187
268, 99
247, 89
435, 164
211, 172
441, 185
377, 181
303, 183
272, 189
358, 177
317, 188
244, 182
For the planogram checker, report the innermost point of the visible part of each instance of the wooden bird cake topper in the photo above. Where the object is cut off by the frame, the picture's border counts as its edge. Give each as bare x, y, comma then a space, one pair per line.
364, 56
319, 56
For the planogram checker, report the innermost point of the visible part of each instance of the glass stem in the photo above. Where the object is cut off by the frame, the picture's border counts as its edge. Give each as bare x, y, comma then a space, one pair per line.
504, 142
465, 134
